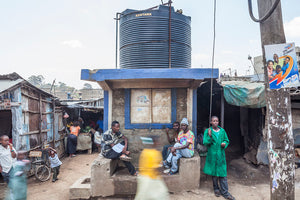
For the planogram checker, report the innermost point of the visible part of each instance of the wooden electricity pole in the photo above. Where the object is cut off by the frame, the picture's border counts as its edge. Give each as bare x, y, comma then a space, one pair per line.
279, 117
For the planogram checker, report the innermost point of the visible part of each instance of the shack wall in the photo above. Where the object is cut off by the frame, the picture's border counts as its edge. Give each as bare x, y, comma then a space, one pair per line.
32, 119
133, 135
17, 123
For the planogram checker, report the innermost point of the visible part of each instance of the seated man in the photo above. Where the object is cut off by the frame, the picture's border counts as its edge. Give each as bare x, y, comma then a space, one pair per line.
172, 140
113, 149
183, 148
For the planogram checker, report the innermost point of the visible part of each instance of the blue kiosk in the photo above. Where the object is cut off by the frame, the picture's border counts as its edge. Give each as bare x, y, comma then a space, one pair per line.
154, 87
148, 100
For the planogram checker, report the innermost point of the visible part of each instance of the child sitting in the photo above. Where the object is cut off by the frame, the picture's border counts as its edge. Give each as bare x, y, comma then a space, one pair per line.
55, 163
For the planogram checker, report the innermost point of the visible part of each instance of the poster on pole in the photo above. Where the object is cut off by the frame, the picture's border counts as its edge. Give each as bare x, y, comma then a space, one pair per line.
282, 65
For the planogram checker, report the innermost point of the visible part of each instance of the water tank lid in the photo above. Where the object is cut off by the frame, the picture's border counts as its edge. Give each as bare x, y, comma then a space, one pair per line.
160, 8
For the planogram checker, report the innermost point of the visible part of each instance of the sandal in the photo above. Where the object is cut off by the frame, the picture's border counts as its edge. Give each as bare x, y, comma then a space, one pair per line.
125, 158
171, 173
136, 174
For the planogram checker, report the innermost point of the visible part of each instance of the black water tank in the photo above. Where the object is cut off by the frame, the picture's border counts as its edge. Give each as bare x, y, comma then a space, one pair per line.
144, 39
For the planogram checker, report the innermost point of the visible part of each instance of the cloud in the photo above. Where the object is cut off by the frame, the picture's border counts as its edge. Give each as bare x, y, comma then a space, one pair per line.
255, 42
72, 43
200, 60
292, 28
85, 11
199, 56
225, 66
227, 52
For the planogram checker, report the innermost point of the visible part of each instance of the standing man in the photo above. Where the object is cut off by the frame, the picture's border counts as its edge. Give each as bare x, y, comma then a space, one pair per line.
99, 123
7, 157
183, 148
113, 148
216, 140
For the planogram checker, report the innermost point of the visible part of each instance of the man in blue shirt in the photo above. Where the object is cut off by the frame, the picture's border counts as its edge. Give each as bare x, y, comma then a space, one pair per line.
100, 123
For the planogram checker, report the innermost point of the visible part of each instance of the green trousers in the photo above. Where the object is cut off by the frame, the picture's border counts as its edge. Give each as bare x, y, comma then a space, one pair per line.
55, 172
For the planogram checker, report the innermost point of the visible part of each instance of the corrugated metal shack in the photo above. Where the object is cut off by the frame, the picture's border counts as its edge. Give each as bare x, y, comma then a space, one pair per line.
28, 115
88, 110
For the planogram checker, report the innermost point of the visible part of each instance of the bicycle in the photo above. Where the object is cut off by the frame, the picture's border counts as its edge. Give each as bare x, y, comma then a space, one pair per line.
42, 170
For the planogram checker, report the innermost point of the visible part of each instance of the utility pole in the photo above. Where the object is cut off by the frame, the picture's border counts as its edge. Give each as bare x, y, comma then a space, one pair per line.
278, 114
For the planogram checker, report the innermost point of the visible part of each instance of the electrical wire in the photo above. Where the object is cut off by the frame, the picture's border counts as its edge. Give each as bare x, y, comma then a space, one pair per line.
212, 61
264, 18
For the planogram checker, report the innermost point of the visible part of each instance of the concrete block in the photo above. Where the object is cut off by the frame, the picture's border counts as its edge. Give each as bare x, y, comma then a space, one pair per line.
188, 177
172, 182
189, 172
125, 185
105, 183
101, 181
81, 189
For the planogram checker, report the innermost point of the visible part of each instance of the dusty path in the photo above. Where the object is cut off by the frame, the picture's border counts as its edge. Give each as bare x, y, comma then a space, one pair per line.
74, 168
71, 170
240, 192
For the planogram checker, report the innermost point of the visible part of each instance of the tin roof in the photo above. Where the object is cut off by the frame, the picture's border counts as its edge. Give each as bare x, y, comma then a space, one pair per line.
8, 81
6, 84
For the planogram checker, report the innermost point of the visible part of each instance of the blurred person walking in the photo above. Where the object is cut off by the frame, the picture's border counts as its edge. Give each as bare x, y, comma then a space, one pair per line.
18, 178
150, 184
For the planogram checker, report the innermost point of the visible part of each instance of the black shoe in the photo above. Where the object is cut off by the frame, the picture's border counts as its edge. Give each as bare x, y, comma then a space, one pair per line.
217, 193
53, 180
230, 197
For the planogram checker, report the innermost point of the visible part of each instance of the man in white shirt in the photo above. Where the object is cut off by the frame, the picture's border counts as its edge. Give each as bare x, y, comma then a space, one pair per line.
7, 157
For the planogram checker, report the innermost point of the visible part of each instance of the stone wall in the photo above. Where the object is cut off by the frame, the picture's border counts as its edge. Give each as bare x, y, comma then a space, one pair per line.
133, 135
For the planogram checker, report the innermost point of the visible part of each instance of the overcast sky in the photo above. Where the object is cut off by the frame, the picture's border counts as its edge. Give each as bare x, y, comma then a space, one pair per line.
58, 38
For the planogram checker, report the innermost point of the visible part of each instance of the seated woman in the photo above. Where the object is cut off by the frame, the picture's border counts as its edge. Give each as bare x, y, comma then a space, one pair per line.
184, 148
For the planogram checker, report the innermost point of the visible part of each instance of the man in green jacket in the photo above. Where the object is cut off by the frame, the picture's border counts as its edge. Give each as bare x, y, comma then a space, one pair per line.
216, 140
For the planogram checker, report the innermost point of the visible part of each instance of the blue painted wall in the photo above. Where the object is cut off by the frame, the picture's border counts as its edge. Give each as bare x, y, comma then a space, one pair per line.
106, 109
123, 74
194, 128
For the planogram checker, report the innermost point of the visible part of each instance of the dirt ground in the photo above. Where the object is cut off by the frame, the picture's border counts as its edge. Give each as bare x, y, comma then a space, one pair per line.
71, 170
245, 182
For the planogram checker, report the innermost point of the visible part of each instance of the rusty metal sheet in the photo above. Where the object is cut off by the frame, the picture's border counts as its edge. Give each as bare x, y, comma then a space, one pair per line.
34, 140
34, 122
33, 105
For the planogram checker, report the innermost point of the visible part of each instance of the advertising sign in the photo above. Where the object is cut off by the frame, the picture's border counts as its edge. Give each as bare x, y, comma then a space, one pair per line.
282, 65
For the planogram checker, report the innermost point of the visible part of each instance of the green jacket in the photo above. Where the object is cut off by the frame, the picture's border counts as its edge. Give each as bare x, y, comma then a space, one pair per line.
215, 164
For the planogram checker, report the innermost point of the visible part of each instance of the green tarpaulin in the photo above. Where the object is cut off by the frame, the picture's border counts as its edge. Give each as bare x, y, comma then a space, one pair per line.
244, 93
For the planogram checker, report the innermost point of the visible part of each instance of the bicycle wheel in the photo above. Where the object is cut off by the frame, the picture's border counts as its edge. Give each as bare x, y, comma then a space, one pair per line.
43, 173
